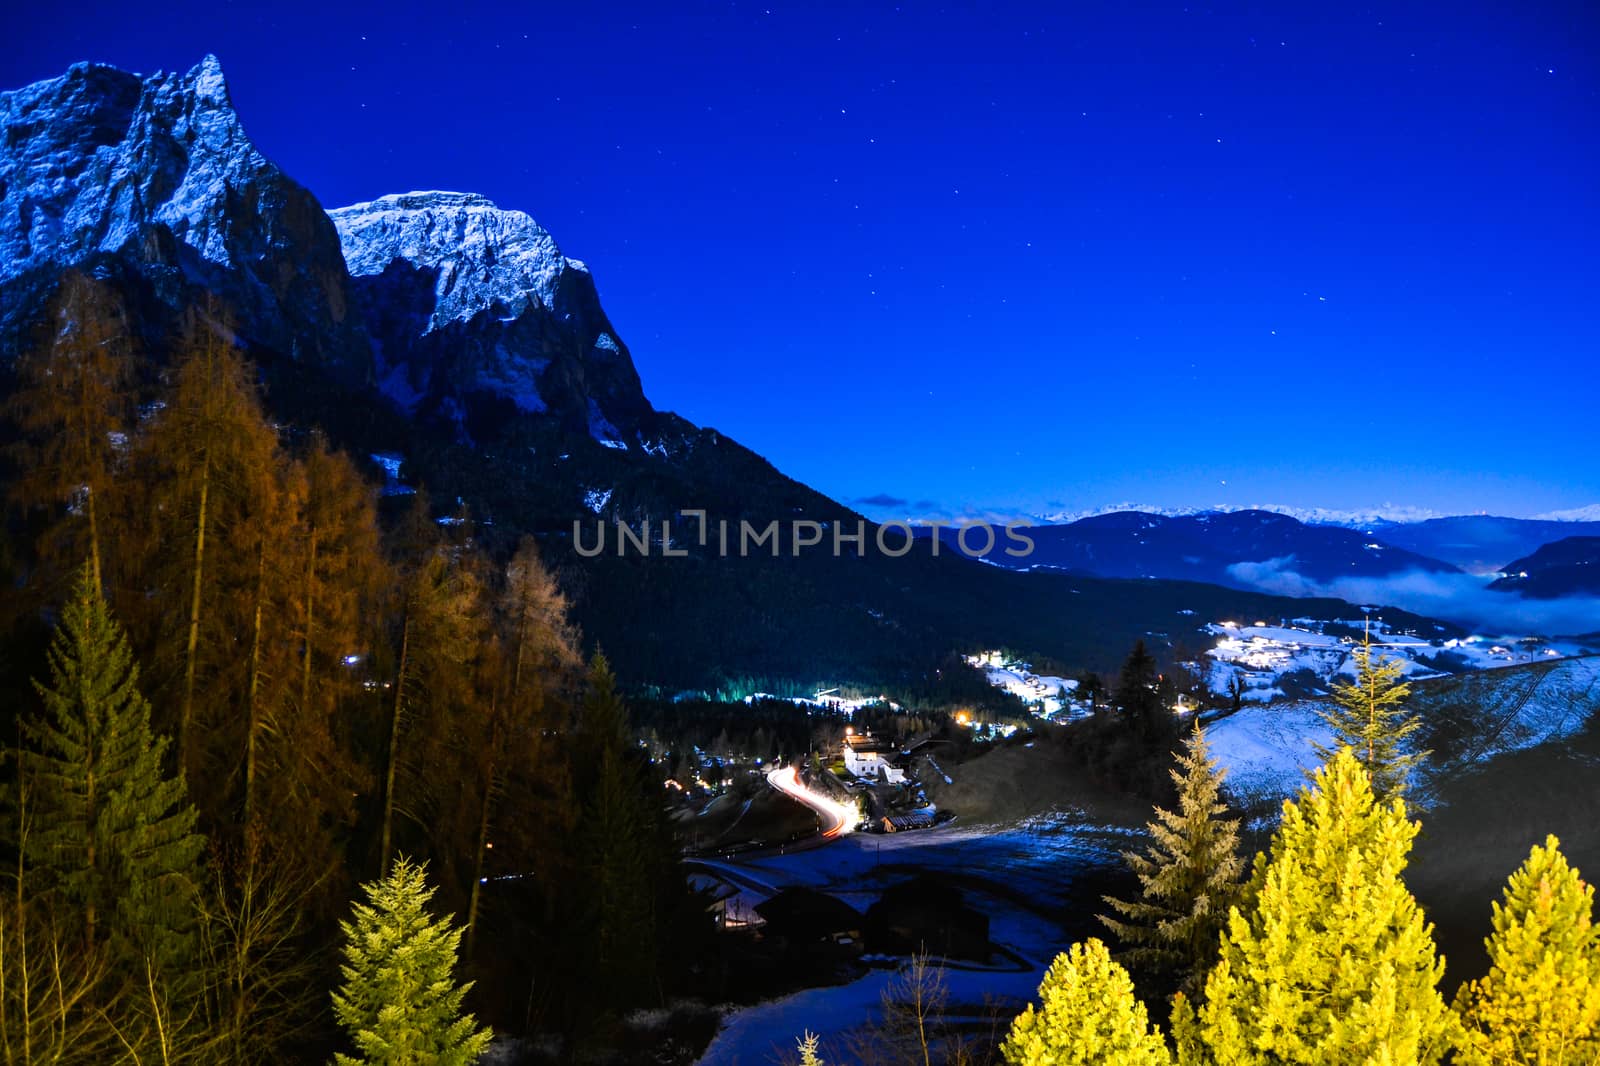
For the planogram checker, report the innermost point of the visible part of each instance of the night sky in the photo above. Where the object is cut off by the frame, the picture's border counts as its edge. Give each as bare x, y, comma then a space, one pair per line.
1029, 257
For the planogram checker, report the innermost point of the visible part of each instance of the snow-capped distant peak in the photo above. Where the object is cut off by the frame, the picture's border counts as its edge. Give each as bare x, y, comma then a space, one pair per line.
1320, 516
1575, 514
483, 257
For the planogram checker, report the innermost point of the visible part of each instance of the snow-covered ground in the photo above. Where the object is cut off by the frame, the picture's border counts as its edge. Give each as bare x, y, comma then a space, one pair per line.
1290, 659
1040, 691
828, 701
1015, 874
1261, 657
1267, 749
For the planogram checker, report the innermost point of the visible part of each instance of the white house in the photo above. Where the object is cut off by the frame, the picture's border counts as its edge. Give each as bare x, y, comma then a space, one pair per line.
864, 757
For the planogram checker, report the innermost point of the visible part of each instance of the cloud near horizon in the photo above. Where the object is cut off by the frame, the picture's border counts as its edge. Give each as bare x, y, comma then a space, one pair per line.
1460, 598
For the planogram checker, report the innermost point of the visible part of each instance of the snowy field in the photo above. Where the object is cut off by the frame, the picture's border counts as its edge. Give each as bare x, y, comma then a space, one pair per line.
1018, 875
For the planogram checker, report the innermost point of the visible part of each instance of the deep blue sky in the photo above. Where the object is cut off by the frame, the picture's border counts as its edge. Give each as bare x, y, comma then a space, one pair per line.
1033, 256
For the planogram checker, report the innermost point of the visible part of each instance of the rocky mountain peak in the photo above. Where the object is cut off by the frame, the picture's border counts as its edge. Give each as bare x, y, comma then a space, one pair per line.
157, 173
485, 258
472, 302
93, 156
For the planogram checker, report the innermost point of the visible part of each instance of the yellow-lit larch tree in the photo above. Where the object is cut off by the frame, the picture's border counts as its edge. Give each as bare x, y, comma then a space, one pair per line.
534, 669
74, 405
207, 461
442, 622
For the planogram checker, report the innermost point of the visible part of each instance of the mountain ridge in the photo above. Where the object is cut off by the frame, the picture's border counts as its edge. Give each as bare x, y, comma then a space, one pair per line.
326, 339
1209, 546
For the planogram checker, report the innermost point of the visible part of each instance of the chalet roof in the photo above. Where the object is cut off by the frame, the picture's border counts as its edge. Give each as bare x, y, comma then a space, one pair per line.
806, 914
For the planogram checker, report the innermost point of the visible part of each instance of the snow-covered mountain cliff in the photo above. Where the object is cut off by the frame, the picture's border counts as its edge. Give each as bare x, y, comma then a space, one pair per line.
154, 177
468, 301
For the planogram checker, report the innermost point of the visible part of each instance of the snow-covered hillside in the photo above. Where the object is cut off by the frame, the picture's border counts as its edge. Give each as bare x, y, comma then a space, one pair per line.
1466, 720
1042, 692
1304, 656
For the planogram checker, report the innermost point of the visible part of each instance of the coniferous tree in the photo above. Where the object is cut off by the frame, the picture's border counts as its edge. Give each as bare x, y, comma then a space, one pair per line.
1367, 716
620, 844
114, 836
538, 654
1189, 877
207, 463
74, 403
1329, 959
1090, 688
1137, 697
807, 1047
337, 573
1540, 1002
441, 630
259, 615
400, 1002
1088, 1015
317, 568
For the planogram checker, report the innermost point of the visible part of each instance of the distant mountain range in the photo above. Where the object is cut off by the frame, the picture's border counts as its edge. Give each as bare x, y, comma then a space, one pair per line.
1324, 516
455, 334
1482, 544
1475, 544
1211, 547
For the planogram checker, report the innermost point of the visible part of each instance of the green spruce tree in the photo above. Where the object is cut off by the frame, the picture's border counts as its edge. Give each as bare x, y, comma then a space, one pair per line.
1329, 960
1189, 878
1088, 1015
1540, 1001
1368, 716
807, 1046
115, 836
400, 1001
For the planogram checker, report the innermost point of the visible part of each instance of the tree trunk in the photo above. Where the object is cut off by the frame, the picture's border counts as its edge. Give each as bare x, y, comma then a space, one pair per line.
522, 646
253, 696
187, 713
483, 847
394, 746
94, 546
308, 621
91, 817
483, 821
85, 408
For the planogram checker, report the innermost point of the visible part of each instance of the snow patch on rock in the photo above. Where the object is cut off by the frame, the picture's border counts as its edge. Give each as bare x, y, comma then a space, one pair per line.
483, 258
